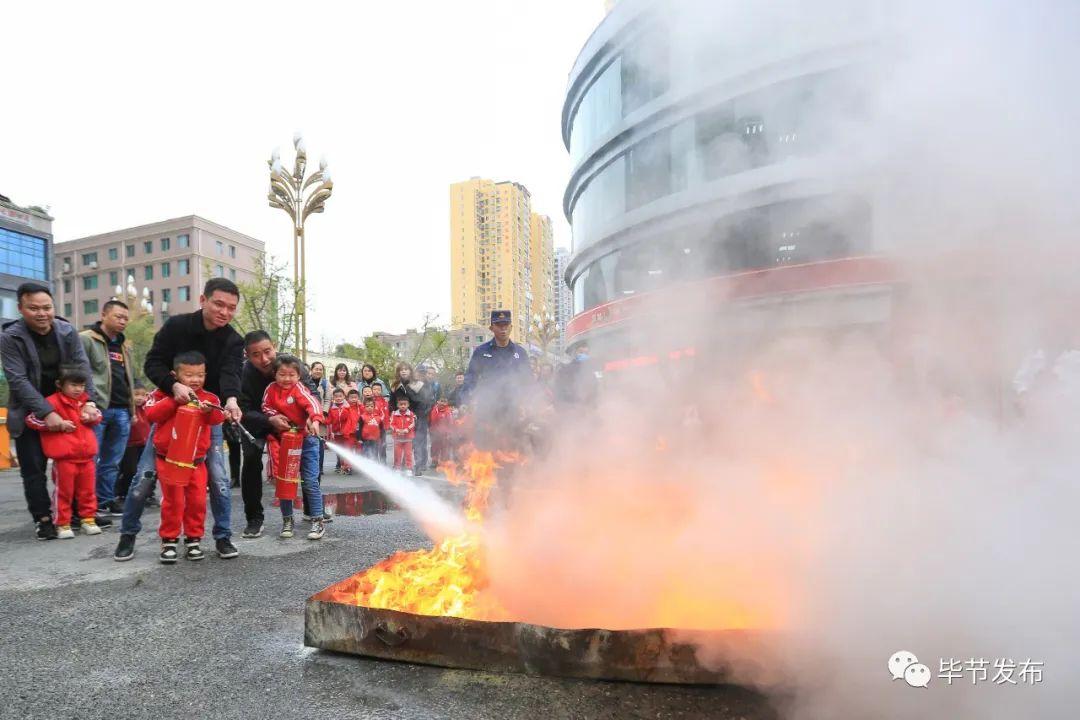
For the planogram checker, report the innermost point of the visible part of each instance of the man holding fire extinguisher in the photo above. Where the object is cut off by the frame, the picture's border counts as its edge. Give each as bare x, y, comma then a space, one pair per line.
207, 331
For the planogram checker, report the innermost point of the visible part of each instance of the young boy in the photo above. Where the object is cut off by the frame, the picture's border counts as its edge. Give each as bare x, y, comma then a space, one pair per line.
403, 428
441, 424
289, 398
337, 417
372, 427
352, 424
72, 448
183, 494
383, 407
140, 432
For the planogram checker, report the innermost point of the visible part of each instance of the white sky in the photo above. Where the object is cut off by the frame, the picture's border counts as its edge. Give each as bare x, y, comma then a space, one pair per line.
120, 113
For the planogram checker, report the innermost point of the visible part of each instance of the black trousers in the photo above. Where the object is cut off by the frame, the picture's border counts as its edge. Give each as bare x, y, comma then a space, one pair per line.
32, 469
251, 481
129, 465
234, 460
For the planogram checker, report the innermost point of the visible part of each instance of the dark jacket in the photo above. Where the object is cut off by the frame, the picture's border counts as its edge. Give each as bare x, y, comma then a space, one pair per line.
96, 345
223, 348
497, 369
416, 398
252, 386
23, 371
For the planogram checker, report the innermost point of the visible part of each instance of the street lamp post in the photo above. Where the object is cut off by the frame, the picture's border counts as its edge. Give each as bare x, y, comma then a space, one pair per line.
299, 198
138, 303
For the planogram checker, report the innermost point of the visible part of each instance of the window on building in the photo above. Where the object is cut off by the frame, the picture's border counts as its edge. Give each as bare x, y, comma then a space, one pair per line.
90, 307
67, 285
219, 271
67, 310
183, 293
645, 70
89, 282
220, 247
129, 251
88, 258
183, 267
232, 274
165, 244
114, 253
165, 317
148, 246
166, 295
183, 241
114, 278
148, 272
232, 251
166, 270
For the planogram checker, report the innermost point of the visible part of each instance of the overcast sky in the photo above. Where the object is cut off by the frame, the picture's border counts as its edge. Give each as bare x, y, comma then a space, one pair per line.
121, 114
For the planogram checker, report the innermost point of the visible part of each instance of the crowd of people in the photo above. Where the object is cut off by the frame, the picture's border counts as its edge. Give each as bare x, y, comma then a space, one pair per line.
75, 402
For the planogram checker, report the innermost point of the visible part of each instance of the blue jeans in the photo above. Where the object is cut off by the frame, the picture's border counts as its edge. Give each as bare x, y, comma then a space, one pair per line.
220, 487
112, 437
309, 479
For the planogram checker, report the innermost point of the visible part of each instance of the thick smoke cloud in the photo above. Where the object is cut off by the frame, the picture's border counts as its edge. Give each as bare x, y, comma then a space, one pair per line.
855, 493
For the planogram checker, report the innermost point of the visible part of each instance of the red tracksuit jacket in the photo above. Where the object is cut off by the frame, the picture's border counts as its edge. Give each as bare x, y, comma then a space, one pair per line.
382, 406
403, 425
372, 425
337, 417
78, 445
295, 403
140, 428
161, 409
353, 423
441, 419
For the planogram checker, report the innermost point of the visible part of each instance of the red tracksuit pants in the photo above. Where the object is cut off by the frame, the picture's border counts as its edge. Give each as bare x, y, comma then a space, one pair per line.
74, 479
403, 454
184, 505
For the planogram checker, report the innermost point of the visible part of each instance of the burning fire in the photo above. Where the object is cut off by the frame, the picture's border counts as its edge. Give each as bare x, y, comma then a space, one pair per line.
449, 579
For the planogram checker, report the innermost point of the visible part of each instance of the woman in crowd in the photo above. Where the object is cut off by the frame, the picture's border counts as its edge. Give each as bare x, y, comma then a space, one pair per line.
407, 387
369, 377
342, 379
320, 386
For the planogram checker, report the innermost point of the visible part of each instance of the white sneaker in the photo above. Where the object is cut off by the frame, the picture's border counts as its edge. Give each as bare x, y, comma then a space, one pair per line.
317, 531
90, 527
64, 532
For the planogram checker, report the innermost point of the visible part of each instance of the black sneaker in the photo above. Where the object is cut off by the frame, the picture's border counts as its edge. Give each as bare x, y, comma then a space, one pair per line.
115, 508
168, 551
192, 551
253, 530
125, 550
45, 530
103, 521
225, 548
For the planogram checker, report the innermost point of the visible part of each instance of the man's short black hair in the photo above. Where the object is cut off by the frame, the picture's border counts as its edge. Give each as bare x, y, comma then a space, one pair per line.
31, 288
255, 336
288, 361
190, 357
214, 285
72, 375
113, 303
459, 372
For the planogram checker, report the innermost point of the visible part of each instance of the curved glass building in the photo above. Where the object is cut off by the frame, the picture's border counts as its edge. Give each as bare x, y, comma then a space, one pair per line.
708, 153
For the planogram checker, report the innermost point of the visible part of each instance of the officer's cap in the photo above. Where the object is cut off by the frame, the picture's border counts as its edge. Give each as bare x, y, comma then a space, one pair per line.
500, 316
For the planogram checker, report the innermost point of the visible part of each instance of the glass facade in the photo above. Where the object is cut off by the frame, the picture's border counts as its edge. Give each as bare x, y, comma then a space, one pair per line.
641, 73
22, 255
781, 234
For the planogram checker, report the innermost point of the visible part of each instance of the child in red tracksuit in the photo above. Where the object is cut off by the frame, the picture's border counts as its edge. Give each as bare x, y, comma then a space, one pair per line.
183, 495
72, 449
403, 428
441, 426
352, 424
372, 427
289, 397
337, 418
383, 407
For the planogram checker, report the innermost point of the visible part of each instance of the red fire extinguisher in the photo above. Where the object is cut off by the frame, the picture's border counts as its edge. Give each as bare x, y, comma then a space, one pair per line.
179, 462
287, 465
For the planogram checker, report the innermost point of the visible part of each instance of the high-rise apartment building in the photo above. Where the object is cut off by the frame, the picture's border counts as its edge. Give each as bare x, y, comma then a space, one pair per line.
563, 300
168, 262
500, 254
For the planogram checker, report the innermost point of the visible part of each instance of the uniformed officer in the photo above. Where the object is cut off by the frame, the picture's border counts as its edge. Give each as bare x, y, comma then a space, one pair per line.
497, 385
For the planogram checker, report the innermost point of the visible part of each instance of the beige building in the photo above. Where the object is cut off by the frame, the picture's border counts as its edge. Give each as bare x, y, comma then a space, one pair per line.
498, 247
415, 347
168, 263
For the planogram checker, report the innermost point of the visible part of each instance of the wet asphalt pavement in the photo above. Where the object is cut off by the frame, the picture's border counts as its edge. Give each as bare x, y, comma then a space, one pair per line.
84, 636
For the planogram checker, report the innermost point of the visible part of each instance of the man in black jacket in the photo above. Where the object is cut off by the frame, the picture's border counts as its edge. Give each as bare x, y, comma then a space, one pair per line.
33, 348
256, 375
206, 330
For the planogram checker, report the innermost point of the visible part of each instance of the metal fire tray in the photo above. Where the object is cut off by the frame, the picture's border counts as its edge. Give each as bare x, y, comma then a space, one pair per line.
648, 655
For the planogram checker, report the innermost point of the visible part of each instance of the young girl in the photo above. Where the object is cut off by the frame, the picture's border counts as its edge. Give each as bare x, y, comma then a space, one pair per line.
288, 397
72, 448
403, 428
337, 419
372, 427
441, 422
